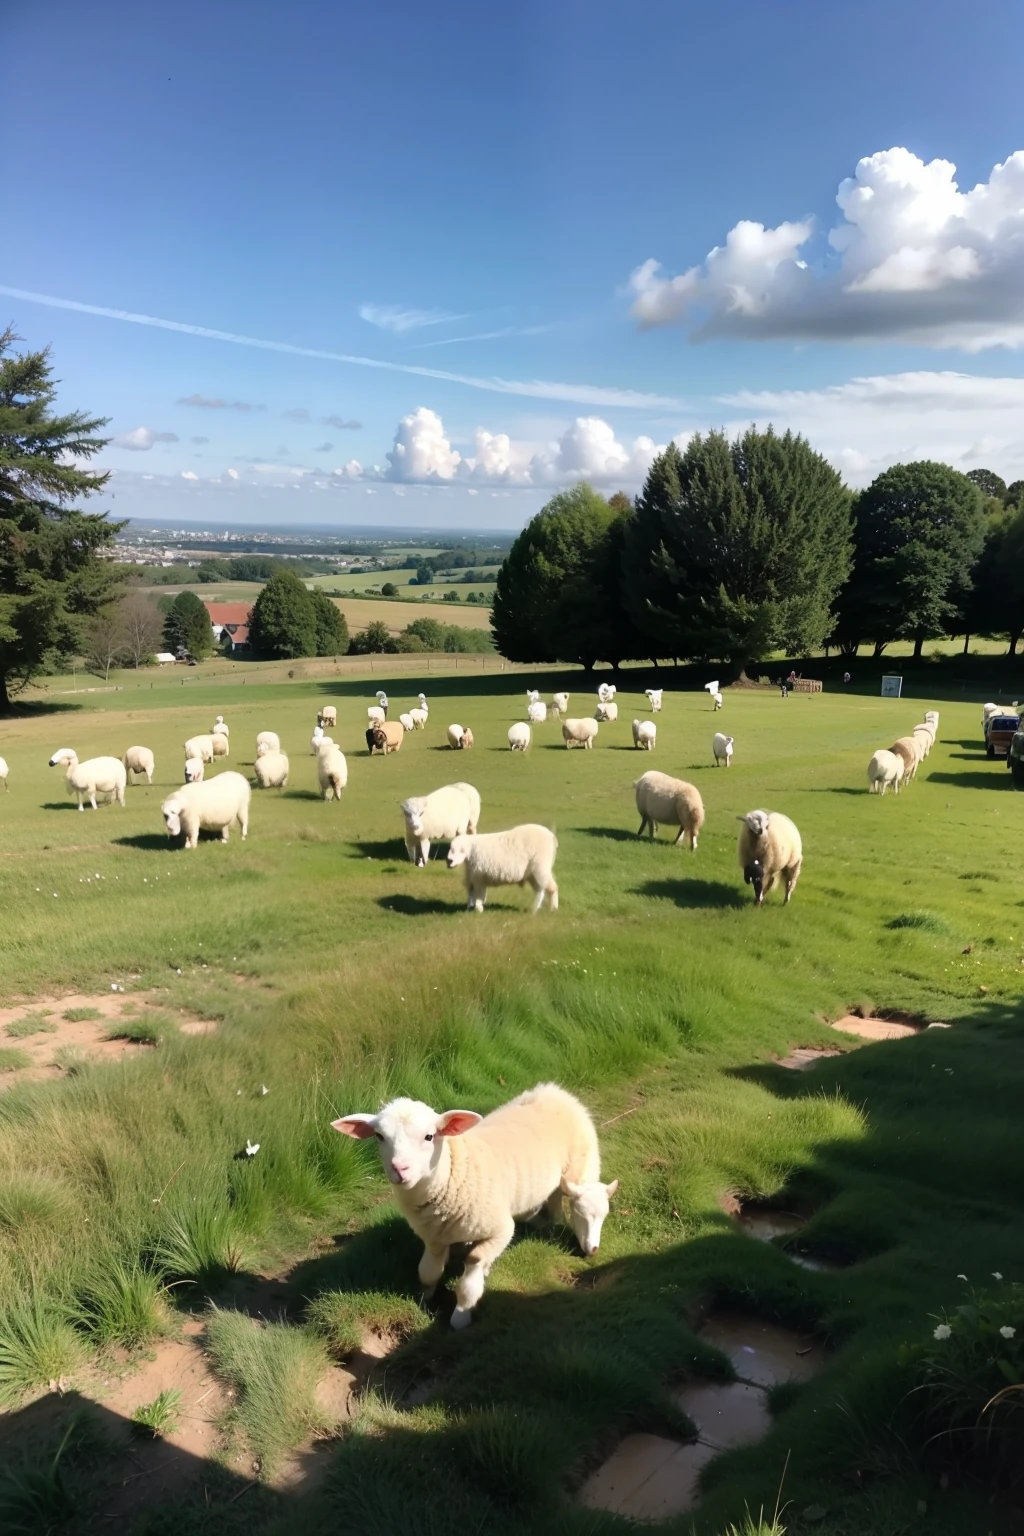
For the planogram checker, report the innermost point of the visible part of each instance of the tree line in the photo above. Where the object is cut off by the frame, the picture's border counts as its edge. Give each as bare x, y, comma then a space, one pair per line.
735, 549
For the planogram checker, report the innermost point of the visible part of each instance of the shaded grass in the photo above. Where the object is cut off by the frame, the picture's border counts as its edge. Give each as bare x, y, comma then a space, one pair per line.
345, 1320
275, 1370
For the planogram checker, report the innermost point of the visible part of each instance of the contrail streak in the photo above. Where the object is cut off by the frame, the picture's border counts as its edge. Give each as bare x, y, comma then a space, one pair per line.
537, 389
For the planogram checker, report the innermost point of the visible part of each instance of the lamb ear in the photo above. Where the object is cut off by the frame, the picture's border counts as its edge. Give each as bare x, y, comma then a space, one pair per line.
359, 1126
455, 1122
569, 1188
610, 1189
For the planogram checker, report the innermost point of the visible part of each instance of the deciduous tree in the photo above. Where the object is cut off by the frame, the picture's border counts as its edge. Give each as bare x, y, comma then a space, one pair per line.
188, 626
283, 621
332, 637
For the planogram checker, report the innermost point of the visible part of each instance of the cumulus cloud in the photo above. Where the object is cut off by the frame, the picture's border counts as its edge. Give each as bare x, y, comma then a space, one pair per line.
868, 423
392, 317
340, 424
141, 439
421, 451
298, 413
912, 259
188, 474
353, 470
206, 404
232, 474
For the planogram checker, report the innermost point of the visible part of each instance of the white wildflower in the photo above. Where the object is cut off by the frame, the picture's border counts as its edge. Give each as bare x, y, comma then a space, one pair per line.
251, 1148
961, 1277
943, 1331
1007, 1332
996, 1275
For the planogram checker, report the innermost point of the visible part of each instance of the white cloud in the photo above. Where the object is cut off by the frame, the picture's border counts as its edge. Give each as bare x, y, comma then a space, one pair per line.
353, 470
232, 474
913, 259
421, 451
188, 474
868, 423
392, 317
141, 439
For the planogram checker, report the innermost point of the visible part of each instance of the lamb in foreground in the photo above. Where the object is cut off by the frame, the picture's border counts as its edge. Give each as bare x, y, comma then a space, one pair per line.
662, 800
885, 768
721, 746
96, 776
523, 855
769, 847
208, 807
266, 741
645, 734
463, 1178
139, 760
331, 769
579, 733
271, 771
385, 736
441, 816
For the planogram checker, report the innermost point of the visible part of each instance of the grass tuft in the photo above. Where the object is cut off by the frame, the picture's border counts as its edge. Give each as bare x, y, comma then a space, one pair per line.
197, 1241
81, 1015
160, 1417
30, 1202
123, 1304
147, 1031
275, 1370
35, 1500
12, 1059
37, 1345
344, 1319
31, 1024
926, 921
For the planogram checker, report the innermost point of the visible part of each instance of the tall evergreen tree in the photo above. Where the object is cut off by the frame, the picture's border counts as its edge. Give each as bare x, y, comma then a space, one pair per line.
53, 574
736, 549
283, 620
188, 626
332, 637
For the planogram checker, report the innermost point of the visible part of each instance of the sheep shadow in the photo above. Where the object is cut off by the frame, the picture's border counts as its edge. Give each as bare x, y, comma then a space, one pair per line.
693, 893
973, 780
150, 842
62, 805
302, 794
837, 789
394, 848
614, 834
969, 757
415, 906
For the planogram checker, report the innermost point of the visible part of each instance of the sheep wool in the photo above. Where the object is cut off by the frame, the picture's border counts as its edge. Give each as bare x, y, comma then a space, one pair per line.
441, 816
467, 739
331, 770
907, 749
407, 722
387, 735
645, 734
664, 801
925, 736
96, 776
218, 728
328, 716
455, 734
521, 856
462, 1178
655, 696
139, 760
271, 771
769, 849
221, 746
561, 702
375, 712
4, 770
607, 710
208, 807
419, 718
200, 746
194, 770
721, 746
579, 733
885, 768
537, 711
519, 736
315, 740
266, 741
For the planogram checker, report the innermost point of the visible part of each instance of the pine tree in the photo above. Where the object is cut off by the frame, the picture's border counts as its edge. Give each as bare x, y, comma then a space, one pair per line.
53, 574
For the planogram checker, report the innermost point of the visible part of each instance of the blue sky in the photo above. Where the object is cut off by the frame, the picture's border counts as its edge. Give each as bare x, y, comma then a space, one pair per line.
522, 201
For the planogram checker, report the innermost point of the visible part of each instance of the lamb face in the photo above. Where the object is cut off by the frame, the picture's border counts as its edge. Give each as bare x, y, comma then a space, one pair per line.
458, 852
172, 820
588, 1209
409, 1135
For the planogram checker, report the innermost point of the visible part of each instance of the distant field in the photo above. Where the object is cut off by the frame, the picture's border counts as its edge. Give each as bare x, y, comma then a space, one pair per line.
358, 611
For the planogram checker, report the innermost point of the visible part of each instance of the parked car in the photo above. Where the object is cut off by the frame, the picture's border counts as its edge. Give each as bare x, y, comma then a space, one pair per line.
999, 732
1015, 760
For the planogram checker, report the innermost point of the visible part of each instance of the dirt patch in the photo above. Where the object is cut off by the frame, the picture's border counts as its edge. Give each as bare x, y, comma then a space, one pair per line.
647, 1477
885, 1024
48, 1040
804, 1057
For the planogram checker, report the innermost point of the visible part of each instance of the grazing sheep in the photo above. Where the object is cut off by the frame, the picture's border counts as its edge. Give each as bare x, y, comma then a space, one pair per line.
931, 717
924, 735
441, 816
521, 856
139, 760
606, 692
331, 770
655, 696
96, 776
769, 846
315, 740
467, 739
537, 712
418, 718
533, 695
421, 699
266, 741
519, 736
885, 768
387, 735
194, 770
561, 702
455, 734
382, 700
453, 1187
906, 748
375, 712
716, 699
579, 733
200, 746
608, 710
208, 807
271, 771
221, 746
645, 734
664, 801
218, 728
721, 746
407, 722
328, 716
4, 770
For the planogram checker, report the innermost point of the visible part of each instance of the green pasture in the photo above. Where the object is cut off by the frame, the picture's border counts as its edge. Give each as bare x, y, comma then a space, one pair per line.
359, 611
338, 975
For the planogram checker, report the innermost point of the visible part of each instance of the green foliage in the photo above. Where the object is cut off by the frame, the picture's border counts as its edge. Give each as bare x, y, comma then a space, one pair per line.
30, 1024
214, 571
430, 631
346, 1318
283, 622
197, 1239
275, 1371
373, 640
988, 483
52, 574
995, 605
12, 1059
919, 531
122, 1304
160, 1417
389, 589
424, 574
738, 548
332, 637
81, 1015
188, 625
37, 1345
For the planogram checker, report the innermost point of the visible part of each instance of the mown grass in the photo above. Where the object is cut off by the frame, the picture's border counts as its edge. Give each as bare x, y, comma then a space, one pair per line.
340, 975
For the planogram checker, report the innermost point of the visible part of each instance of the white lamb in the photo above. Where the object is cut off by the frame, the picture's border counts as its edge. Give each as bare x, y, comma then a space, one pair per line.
4, 770
532, 695
200, 746
460, 1178
521, 856
375, 712
407, 722
328, 716
645, 734
519, 736
721, 746
579, 733
537, 712
885, 768
271, 771
932, 718
655, 696
560, 701
455, 734
331, 770
266, 741
926, 736
218, 728
221, 745
716, 699
439, 817
769, 847
194, 770
419, 719
664, 801
96, 776
315, 740
208, 807
139, 760
607, 710
382, 700
605, 691
421, 699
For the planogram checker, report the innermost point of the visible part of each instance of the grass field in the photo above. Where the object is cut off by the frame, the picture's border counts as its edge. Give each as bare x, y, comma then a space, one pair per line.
336, 974
358, 611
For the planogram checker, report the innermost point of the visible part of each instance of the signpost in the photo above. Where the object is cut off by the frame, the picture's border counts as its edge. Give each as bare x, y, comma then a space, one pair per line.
892, 687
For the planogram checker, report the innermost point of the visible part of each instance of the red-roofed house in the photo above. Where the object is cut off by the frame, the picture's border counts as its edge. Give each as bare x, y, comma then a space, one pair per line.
230, 624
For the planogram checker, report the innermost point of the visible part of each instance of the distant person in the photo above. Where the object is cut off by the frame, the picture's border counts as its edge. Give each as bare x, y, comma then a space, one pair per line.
783, 687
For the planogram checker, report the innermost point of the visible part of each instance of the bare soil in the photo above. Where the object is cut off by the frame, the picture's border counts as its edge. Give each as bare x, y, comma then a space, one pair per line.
55, 1032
